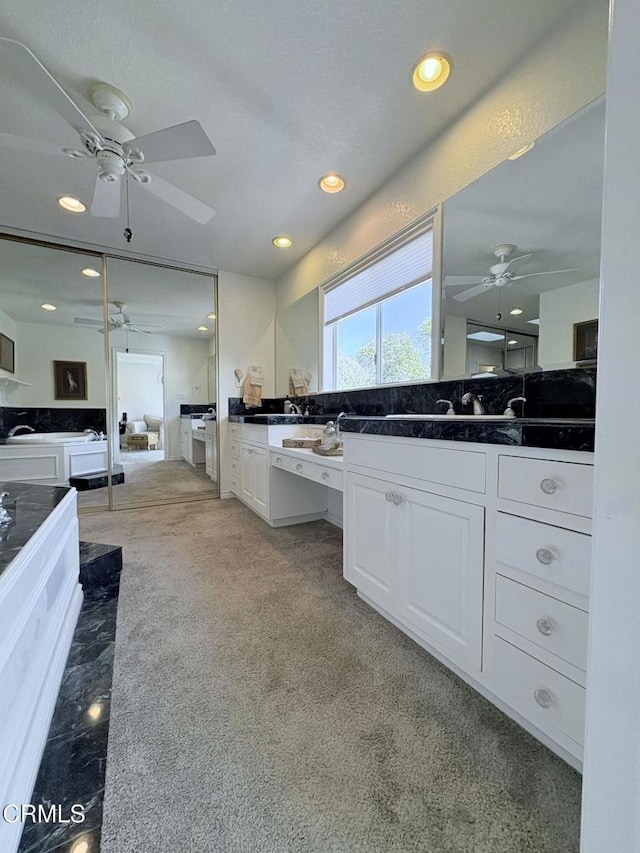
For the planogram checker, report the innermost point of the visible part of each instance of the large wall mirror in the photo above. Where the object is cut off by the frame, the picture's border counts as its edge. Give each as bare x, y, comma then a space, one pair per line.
297, 343
521, 257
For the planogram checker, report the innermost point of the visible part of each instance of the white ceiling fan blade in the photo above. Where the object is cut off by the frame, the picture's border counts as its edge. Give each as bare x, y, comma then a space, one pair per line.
30, 146
520, 258
84, 321
460, 280
181, 200
473, 291
37, 76
179, 142
106, 199
546, 272
139, 331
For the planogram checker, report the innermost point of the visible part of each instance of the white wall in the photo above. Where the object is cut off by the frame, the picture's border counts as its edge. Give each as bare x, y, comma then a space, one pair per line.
246, 335
40, 345
611, 789
559, 310
566, 72
140, 385
185, 377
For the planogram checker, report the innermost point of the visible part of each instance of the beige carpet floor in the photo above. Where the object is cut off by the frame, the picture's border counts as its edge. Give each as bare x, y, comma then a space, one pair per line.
260, 707
149, 478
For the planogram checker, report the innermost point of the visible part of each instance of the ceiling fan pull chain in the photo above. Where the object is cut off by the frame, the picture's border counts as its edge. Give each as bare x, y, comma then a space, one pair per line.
128, 233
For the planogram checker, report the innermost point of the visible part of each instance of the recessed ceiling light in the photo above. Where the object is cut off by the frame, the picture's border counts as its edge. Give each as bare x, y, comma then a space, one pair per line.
211, 316
516, 312
71, 204
203, 328
487, 337
512, 342
521, 151
282, 241
90, 272
431, 71
47, 306
331, 183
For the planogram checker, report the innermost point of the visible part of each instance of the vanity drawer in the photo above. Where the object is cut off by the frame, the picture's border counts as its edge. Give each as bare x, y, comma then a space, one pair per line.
563, 486
304, 468
545, 621
549, 700
331, 477
234, 430
280, 461
549, 553
254, 433
235, 450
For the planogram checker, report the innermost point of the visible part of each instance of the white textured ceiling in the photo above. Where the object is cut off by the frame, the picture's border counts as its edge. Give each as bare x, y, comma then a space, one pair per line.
286, 91
547, 202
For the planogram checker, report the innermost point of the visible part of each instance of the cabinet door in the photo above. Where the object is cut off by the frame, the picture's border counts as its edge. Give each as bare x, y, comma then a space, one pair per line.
208, 456
259, 468
440, 566
246, 474
370, 519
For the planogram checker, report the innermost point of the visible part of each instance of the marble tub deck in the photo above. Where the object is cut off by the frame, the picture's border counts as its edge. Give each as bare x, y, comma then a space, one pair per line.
73, 766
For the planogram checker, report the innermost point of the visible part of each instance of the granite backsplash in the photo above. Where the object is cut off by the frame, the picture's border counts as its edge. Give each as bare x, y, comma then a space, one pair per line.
52, 420
549, 394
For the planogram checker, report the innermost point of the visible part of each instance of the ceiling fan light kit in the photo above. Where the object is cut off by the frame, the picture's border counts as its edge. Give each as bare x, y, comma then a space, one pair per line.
113, 146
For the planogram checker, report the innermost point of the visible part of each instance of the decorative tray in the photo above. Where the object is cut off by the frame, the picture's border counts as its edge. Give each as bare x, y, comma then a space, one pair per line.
301, 442
328, 451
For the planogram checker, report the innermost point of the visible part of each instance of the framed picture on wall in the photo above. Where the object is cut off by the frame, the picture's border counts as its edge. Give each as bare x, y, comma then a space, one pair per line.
585, 341
7, 354
70, 380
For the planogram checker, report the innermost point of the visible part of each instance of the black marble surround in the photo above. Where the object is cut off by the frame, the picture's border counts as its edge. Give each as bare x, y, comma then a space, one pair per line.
73, 766
549, 394
195, 408
52, 420
28, 506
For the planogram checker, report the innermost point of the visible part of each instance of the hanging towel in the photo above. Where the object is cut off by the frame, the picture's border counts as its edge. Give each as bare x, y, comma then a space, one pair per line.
252, 389
298, 385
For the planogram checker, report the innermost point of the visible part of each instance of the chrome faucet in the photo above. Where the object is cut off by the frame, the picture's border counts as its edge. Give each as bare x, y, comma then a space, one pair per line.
449, 404
93, 433
14, 430
340, 417
295, 409
508, 412
478, 408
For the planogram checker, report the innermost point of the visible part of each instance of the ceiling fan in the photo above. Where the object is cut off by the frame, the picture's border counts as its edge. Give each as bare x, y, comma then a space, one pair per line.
103, 138
120, 320
500, 274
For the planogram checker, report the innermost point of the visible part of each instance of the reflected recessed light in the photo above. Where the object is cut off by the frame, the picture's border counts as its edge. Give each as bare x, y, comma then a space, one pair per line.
535, 322
512, 342
71, 204
211, 316
516, 312
487, 337
521, 151
47, 306
94, 710
90, 272
80, 846
431, 72
282, 241
331, 183
203, 328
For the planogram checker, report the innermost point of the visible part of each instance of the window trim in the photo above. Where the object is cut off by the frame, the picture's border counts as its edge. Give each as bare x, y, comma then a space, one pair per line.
429, 221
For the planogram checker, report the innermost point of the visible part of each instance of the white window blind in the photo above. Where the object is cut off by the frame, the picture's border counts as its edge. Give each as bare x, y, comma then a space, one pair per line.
401, 268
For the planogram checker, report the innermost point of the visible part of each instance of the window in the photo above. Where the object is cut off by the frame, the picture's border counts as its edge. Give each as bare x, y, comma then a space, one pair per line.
378, 326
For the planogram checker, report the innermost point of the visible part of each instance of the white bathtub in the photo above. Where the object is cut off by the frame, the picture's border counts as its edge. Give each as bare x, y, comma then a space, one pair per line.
50, 438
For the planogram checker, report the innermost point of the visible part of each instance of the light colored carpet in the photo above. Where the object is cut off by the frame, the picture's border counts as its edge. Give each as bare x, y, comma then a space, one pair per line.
260, 707
149, 478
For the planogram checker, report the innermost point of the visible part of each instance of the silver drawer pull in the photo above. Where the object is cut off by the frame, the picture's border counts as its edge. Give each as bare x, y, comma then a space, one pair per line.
388, 497
278, 459
544, 698
546, 627
549, 486
325, 476
545, 556
298, 466
398, 499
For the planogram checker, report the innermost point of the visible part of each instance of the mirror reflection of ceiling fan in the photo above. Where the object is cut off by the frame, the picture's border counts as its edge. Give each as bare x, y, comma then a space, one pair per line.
103, 138
118, 321
500, 274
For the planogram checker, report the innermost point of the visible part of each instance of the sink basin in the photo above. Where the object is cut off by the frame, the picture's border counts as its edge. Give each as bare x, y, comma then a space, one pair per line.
449, 417
292, 415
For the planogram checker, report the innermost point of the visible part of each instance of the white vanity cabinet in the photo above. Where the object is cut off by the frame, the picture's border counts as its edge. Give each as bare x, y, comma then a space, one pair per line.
254, 469
192, 450
482, 555
211, 450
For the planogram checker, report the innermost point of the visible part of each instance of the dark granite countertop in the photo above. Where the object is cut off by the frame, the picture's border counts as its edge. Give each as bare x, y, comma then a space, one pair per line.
557, 433
275, 420
29, 506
